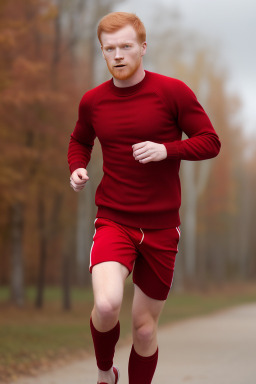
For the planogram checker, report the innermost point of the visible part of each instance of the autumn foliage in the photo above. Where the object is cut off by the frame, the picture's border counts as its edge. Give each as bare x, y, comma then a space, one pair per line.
37, 112
43, 75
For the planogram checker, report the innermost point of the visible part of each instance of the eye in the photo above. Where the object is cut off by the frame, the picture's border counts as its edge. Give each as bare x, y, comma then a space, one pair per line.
126, 46
109, 49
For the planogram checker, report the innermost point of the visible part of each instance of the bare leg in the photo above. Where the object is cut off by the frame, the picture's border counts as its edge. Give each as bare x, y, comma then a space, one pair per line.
145, 315
108, 285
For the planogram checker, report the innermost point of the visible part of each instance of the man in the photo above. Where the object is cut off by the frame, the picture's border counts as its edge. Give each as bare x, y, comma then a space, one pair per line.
139, 117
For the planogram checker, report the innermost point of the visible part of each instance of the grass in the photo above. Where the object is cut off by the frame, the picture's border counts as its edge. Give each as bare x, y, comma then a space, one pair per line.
33, 340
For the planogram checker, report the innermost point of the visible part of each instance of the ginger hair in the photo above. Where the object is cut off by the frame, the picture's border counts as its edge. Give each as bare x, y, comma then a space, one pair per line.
114, 21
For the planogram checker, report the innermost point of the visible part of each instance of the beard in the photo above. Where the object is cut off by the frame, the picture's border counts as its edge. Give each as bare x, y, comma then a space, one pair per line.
124, 73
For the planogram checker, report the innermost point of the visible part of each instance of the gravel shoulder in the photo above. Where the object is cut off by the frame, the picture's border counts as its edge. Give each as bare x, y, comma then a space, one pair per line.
219, 348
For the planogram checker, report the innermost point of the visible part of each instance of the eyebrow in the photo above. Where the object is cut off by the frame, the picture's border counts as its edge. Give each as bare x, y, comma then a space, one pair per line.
122, 43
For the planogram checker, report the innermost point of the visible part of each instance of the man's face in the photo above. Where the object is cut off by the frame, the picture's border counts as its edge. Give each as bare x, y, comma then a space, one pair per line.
122, 52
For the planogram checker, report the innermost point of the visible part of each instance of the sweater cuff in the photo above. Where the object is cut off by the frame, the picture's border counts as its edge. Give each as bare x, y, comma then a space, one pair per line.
173, 150
75, 166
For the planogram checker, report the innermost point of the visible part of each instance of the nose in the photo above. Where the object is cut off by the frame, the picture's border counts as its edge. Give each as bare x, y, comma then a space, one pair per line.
118, 54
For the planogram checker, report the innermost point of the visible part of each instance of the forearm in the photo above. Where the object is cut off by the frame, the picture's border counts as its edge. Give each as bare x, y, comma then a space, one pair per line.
78, 154
201, 147
82, 138
202, 142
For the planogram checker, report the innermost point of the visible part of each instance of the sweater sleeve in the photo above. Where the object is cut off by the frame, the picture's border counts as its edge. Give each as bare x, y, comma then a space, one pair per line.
203, 142
82, 138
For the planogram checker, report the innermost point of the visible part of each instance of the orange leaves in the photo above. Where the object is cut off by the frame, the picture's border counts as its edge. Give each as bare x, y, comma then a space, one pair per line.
27, 69
33, 112
7, 39
49, 12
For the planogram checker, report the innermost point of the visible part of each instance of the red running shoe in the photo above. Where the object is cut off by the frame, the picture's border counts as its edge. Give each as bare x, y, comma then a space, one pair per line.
117, 375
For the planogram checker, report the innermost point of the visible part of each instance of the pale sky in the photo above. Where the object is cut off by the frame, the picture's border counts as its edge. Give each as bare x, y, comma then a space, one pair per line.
229, 24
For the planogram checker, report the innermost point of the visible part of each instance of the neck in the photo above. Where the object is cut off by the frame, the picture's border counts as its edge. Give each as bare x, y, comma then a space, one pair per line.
136, 78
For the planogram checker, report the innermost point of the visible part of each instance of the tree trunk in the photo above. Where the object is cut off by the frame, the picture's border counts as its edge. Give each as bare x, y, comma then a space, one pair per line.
42, 251
190, 219
193, 188
17, 263
67, 255
244, 225
84, 233
66, 298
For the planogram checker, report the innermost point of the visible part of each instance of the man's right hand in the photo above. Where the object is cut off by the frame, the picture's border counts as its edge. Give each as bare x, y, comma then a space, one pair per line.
78, 179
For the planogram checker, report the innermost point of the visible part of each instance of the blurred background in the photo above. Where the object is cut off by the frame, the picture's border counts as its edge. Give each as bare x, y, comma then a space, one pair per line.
49, 58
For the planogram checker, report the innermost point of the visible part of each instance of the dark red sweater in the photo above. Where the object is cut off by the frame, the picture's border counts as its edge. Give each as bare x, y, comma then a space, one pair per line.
157, 109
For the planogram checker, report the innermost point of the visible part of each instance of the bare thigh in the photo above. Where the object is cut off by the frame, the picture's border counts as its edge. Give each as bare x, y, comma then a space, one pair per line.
108, 280
144, 306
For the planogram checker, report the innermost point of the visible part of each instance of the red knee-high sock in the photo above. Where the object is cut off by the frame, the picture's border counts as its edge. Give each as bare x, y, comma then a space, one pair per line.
141, 369
104, 345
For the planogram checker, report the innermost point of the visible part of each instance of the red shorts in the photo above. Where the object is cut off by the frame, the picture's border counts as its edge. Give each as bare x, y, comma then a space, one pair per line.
150, 253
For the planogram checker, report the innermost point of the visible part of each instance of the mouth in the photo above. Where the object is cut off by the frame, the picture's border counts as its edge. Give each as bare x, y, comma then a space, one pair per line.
119, 65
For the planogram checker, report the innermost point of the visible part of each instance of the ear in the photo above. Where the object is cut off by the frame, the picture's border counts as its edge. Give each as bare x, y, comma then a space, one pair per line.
102, 52
143, 48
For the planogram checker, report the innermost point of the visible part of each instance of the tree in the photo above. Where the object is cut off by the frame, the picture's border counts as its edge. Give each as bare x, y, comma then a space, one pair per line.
35, 112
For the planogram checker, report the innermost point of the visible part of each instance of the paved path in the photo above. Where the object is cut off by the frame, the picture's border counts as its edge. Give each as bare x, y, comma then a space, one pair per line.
214, 349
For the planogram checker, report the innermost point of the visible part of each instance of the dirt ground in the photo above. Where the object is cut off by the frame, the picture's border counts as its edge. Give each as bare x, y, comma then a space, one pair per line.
214, 349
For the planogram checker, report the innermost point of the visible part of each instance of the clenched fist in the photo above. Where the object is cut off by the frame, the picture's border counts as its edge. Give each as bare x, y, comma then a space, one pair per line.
78, 179
148, 151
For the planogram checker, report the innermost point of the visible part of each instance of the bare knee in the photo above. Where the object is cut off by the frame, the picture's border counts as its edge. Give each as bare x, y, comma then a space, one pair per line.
108, 282
107, 309
144, 331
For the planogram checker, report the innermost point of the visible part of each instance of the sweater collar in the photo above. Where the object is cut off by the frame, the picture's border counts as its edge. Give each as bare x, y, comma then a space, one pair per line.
127, 91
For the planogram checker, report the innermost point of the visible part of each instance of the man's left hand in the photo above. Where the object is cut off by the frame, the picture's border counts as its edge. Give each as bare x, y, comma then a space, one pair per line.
148, 151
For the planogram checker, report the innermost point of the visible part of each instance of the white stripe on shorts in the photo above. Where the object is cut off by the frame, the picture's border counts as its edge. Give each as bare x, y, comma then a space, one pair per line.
179, 233
142, 236
92, 245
